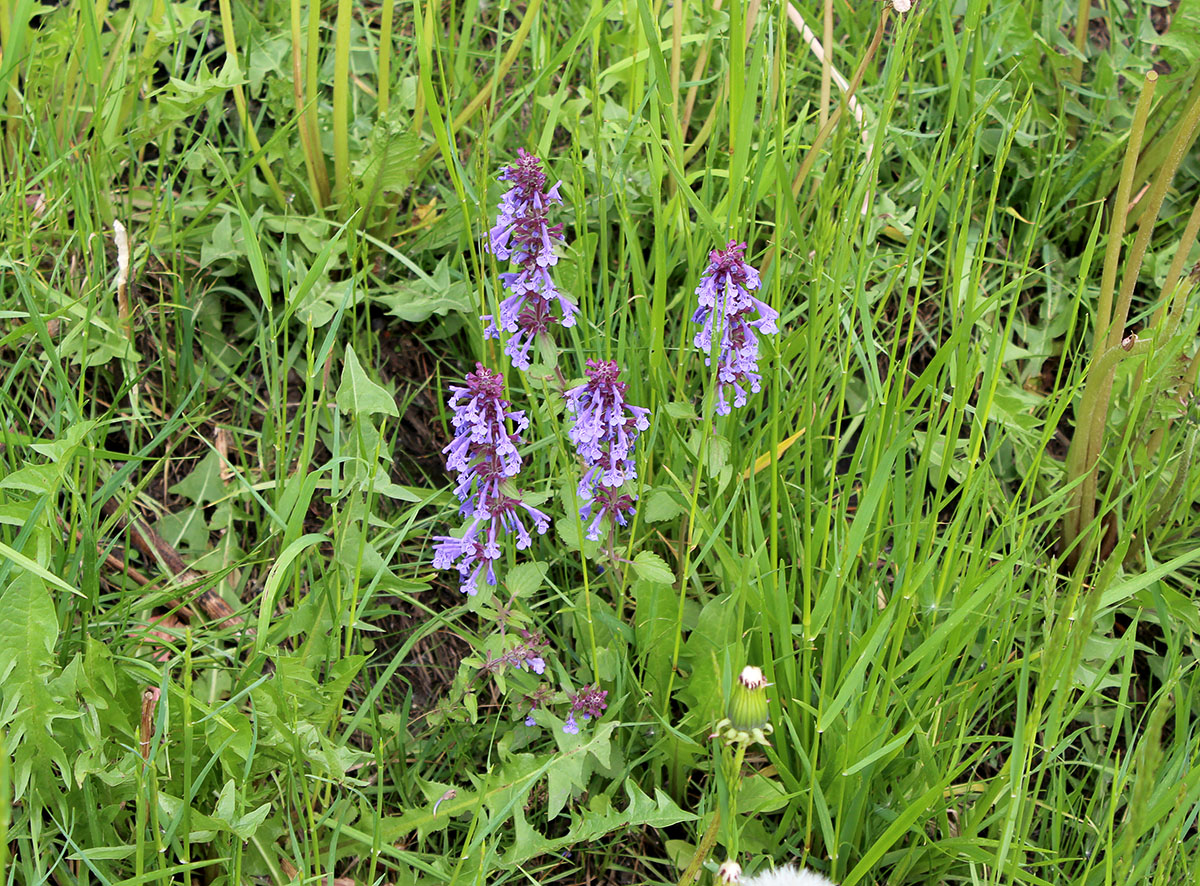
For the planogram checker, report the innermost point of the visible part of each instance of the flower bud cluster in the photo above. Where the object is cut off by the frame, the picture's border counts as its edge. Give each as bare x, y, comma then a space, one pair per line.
726, 304
524, 237
604, 431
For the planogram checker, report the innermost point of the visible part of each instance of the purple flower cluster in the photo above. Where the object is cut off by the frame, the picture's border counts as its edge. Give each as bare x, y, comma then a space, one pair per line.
588, 702
524, 656
523, 236
484, 453
725, 300
604, 432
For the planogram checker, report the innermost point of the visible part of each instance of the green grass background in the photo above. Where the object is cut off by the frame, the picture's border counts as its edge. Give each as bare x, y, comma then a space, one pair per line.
963, 692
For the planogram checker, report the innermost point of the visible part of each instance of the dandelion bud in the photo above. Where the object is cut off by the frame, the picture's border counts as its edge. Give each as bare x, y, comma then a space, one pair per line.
746, 713
729, 872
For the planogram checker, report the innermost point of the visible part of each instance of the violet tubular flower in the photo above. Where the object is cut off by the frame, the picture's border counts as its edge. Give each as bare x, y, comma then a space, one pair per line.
726, 303
524, 237
604, 432
484, 453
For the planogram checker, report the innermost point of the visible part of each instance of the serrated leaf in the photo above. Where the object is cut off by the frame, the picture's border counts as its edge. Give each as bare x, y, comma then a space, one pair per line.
594, 823
525, 578
30, 702
661, 504
358, 394
568, 533
651, 567
571, 769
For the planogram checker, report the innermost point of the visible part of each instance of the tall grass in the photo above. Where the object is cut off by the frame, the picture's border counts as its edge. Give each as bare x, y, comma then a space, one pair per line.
981, 647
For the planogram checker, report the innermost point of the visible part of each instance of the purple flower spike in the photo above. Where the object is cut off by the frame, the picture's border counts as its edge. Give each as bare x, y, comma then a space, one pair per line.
604, 433
725, 299
484, 453
524, 237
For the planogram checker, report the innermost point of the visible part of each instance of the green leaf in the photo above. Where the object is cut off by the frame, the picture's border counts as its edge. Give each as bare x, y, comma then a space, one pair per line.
680, 410
718, 455
654, 629
32, 478
417, 299
245, 825
525, 578
599, 819
651, 567
359, 395
203, 484
661, 504
62, 447
30, 700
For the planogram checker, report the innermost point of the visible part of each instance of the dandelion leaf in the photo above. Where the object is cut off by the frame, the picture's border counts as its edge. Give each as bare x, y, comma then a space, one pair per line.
31, 692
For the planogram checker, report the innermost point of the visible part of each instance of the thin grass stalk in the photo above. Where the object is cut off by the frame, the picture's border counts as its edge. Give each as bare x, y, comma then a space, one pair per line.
1157, 141
823, 135
1095, 395
1081, 35
826, 62
1084, 451
1158, 148
676, 55
144, 63
485, 93
9, 47
1120, 210
1174, 297
312, 88
385, 56
692, 872
319, 185
1153, 206
239, 99
697, 71
706, 129
6, 806
341, 98
1133, 264
70, 81
734, 77
779, 67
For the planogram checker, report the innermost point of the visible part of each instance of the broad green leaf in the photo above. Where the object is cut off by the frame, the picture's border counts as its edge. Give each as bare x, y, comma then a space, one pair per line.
651, 567
525, 578
358, 395
417, 299
661, 504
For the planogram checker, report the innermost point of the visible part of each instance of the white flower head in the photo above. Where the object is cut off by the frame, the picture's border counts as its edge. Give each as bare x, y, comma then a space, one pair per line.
786, 876
901, 6
729, 872
752, 677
